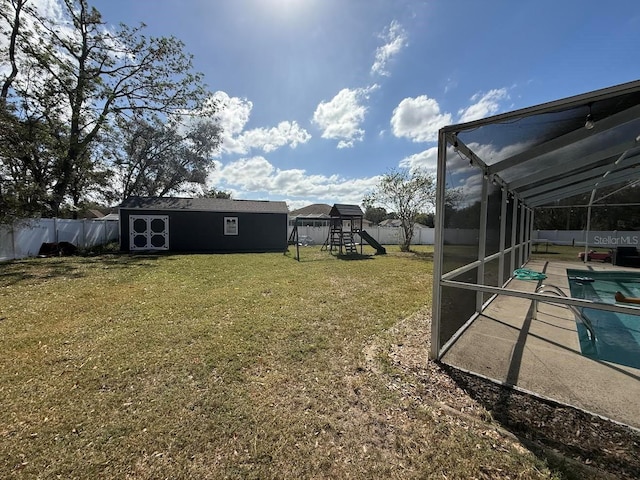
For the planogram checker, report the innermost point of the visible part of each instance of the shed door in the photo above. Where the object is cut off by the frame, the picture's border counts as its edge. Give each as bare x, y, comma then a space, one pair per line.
148, 232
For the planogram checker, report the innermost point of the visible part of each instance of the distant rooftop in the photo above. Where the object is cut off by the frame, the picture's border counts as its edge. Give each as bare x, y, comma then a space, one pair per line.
316, 210
396, 222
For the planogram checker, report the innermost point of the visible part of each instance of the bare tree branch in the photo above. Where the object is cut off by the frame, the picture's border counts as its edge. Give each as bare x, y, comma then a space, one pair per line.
15, 29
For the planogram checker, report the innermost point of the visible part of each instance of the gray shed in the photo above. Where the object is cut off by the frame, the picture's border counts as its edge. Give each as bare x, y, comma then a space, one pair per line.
202, 225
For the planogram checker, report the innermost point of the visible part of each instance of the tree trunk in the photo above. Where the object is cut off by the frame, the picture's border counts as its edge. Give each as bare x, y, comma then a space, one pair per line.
407, 229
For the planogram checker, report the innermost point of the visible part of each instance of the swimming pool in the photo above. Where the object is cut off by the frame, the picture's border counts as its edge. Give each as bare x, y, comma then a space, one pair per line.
617, 334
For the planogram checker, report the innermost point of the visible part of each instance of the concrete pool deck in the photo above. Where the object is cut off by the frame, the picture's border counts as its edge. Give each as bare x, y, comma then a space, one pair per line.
541, 353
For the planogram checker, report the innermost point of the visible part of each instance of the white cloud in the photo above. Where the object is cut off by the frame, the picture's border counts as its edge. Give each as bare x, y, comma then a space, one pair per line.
396, 39
484, 105
459, 164
471, 188
234, 113
450, 84
341, 117
233, 117
456, 162
419, 119
468, 178
286, 133
426, 161
48, 9
490, 154
257, 174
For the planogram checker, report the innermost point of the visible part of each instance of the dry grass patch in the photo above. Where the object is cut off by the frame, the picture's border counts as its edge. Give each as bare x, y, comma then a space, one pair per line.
224, 366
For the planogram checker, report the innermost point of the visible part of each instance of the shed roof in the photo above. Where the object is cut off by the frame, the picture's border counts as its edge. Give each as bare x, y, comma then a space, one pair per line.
558, 149
205, 205
344, 210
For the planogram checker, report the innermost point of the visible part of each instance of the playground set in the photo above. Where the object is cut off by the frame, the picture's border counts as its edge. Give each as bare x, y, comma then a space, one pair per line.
345, 224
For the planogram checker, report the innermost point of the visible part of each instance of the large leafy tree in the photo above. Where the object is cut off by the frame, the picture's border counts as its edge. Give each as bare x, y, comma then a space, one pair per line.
213, 193
15, 192
375, 214
427, 219
616, 208
28, 164
72, 77
407, 193
154, 158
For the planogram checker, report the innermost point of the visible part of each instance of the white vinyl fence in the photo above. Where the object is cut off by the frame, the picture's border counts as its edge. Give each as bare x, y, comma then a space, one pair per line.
383, 235
24, 237
425, 236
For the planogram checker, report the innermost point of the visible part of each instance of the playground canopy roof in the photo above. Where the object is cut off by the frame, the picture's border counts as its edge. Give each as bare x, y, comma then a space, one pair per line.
344, 210
559, 149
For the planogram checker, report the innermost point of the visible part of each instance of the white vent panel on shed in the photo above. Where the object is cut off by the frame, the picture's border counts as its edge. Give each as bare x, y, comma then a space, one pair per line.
148, 232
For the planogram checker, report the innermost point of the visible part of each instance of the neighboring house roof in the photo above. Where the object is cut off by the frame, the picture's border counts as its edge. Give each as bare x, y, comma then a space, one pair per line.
396, 222
93, 213
390, 222
316, 210
205, 205
367, 223
111, 216
344, 210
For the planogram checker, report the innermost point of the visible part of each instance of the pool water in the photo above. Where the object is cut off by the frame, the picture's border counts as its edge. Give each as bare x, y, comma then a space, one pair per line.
617, 334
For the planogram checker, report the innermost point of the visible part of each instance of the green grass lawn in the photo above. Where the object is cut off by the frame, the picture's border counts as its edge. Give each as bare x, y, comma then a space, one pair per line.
561, 252
223, 366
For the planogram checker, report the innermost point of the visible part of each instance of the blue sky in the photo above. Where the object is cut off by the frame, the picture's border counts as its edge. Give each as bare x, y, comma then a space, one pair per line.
323, 96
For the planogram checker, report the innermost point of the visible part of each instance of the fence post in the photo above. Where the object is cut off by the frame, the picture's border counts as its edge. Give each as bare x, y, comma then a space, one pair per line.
13, 239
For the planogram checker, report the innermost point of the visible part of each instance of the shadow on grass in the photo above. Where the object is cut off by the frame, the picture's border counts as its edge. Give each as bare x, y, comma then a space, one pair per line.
35, 270
423, 255
325, 256
547, 428
306, 257
354, 256
28, 272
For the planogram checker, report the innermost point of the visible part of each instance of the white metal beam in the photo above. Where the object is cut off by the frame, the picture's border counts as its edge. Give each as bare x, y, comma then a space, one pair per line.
587, 174
438, 247
583, 187
550, 107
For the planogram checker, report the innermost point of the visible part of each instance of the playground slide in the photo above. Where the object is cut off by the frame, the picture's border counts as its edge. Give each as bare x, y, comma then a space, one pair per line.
380, 250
